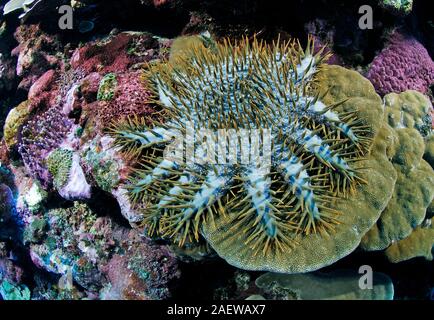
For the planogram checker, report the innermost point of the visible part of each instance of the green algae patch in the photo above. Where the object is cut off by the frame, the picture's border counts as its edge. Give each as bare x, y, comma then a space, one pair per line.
411, 109
14, 121
397, 7
104, 169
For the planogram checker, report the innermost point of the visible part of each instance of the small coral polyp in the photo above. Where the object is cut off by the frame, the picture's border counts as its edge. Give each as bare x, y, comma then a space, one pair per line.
246, 85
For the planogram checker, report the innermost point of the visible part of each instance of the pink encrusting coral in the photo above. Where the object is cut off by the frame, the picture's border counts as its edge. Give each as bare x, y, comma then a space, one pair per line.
143, 272
403, 65
108, 57
118, 57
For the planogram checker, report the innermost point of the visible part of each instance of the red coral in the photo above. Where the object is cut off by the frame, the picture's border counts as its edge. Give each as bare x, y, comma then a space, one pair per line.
112, 56
36, 53
131, 98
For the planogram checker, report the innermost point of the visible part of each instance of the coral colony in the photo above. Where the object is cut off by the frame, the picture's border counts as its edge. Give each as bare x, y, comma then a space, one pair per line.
225, 156
246, 86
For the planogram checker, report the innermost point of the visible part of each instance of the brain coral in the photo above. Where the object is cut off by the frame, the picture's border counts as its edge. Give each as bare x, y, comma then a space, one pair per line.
322, 189
403, 65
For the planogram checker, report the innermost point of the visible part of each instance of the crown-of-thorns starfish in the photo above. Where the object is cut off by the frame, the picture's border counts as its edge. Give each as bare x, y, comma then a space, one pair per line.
245, 85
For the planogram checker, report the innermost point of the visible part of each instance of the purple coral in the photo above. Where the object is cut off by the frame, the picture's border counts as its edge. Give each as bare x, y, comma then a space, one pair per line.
143, 271
403, 65
39, 137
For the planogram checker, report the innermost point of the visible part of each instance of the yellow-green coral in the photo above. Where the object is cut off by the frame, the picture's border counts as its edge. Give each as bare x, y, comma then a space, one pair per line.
413, 192
406, 210
15, 119
398, 7
59, 164
420, 243
410, 149
429, 150
409, 109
